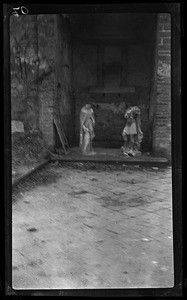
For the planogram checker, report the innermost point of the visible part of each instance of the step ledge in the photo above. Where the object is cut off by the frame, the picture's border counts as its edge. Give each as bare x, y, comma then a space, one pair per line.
38, 167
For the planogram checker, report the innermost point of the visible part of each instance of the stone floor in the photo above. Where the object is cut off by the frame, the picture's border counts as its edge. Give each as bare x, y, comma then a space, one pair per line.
94, 229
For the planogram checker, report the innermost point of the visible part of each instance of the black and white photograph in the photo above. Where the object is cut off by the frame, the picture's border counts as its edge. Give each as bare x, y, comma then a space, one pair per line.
91, 134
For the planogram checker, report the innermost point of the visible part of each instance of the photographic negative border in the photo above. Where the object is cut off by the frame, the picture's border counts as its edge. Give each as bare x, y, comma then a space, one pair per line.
175, 10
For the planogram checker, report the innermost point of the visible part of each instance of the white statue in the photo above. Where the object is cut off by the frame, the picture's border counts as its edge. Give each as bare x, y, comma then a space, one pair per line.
87, 123
132, 133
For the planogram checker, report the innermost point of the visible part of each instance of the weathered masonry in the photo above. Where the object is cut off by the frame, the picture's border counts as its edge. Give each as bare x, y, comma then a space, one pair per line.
61, 62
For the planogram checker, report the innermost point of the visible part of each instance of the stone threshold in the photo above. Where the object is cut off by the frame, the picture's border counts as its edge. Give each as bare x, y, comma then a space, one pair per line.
152, 161
111, 156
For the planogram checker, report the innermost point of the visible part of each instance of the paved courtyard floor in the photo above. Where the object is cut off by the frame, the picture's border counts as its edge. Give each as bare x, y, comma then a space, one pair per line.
93, 229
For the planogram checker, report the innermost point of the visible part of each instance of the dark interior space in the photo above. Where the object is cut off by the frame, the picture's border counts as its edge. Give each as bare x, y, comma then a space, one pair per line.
112, 65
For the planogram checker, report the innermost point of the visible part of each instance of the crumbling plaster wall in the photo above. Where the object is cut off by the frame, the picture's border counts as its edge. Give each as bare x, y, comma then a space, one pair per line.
32, 72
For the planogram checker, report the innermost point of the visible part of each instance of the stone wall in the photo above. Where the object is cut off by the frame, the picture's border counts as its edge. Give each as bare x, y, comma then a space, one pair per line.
162, 129
32, 67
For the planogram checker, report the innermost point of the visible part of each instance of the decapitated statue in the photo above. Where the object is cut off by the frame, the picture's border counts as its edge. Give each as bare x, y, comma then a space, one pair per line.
87, 123
132, 133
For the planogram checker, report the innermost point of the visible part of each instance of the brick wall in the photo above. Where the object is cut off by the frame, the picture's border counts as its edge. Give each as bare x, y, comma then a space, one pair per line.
162, 126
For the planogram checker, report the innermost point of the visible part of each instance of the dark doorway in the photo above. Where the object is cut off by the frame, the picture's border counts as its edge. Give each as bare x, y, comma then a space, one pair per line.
106, 60
113, 61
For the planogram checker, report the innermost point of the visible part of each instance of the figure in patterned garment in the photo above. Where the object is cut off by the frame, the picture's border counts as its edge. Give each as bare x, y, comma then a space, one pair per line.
87, 123
132, 133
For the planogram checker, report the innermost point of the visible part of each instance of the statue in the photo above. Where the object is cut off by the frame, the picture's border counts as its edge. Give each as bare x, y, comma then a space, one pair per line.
132, 133
87, 123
